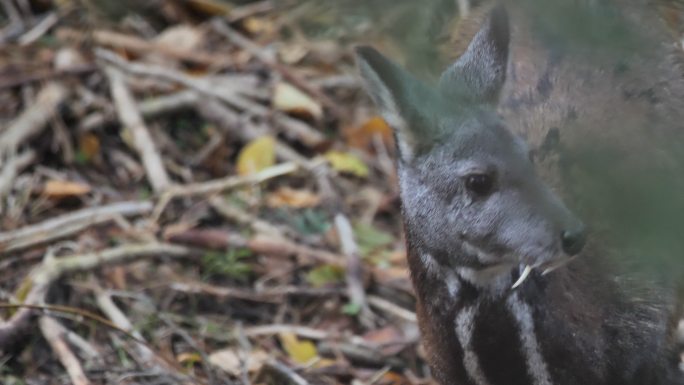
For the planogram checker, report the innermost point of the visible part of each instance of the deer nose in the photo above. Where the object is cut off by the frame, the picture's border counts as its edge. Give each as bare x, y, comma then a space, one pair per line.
573, 241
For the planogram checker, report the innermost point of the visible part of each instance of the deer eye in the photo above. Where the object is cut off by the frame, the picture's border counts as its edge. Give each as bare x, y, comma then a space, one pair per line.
479, 184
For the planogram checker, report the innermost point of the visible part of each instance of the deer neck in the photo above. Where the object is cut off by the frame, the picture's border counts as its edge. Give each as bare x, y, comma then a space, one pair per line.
552, 330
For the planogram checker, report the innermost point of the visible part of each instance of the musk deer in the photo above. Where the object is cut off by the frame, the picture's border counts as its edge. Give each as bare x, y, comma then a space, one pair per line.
490, 245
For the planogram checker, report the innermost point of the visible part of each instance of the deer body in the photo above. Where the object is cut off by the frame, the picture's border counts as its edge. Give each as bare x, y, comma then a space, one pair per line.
488, 242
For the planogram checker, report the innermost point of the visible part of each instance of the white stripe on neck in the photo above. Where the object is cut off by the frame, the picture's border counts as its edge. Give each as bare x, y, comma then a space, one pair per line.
535, 362
465, 323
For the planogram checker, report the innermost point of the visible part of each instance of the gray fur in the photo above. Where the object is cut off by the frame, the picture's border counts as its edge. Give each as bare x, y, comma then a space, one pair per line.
445, 136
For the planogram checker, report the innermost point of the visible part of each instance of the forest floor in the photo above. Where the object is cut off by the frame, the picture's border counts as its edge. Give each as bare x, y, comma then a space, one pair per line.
197, 192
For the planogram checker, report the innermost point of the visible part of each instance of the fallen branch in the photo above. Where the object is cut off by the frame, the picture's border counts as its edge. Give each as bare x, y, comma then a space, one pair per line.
236, 38
293, 127
34, 118
68, 224
52, 332
288, 375
354, 271
219, 185
132, 120
11, 168
141, 46
274, 295
260, 244
41, 278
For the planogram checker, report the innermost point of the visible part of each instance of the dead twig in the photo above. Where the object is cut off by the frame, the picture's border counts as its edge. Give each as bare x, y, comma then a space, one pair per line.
238, 39
41, 76
34, 118
52, 332
68, 224
39, 29
354, 271
293, 127
242, 217
289, 376
132, 120
11, 168
42, 277
118, 318
219, 185
141, 46
389, 307
275, 294
260, 244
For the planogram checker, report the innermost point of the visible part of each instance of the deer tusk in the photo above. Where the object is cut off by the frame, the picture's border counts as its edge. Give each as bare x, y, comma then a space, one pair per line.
557, 265
523, 276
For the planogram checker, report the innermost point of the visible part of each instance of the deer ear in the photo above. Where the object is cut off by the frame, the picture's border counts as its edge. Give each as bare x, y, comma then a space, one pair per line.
402, 99
479, 74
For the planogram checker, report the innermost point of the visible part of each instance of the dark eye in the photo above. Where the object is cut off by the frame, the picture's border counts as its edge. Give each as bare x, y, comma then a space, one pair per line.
479, 184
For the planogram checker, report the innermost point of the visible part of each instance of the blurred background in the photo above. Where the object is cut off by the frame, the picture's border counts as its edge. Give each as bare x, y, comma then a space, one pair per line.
199, 191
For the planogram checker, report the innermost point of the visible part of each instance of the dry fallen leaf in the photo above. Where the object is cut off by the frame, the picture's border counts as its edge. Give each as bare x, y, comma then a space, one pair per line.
256, 156
256, 25
62, 189
347, 162
189, 358
289, 99
361, 137
89, 145
229, 360
181, 37
301, 352
286, 196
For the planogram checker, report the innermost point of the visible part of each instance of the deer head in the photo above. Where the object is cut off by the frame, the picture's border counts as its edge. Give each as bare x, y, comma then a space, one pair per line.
472, 200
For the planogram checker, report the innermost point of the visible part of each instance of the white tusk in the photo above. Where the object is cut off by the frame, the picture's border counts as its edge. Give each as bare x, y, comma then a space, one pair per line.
557, 265
523, 276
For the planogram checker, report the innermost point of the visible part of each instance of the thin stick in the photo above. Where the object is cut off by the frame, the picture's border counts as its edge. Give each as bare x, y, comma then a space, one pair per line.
68, 224
131, 118
118, 318
290, 375
354, 274
39, 29
41, 278
218, 185
12, 167
52, 332
138, 45
389, 307
234, 36
293, 127
32, 121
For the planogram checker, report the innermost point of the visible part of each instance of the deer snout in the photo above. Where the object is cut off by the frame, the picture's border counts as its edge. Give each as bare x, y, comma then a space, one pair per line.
573, 240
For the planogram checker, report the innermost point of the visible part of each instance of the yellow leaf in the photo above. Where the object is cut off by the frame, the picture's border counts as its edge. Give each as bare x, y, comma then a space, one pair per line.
62, 189
289, 99
256, 156
347, 162
189, 358
299, 351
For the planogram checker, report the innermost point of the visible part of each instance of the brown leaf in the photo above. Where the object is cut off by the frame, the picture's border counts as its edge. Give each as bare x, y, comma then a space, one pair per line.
361, 137
62, 189
89, 145
286, 196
